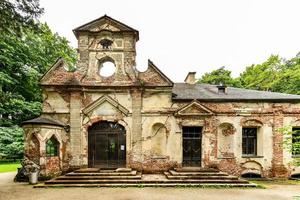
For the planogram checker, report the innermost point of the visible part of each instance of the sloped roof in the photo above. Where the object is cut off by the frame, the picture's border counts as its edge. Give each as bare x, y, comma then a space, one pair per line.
45, 121
154, 77
207, 92
120, 25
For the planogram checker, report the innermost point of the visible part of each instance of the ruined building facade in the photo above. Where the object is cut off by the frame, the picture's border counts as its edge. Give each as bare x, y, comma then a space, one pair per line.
144, 121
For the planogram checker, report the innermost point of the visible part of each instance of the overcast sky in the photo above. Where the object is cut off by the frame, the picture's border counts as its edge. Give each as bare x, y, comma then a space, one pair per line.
192, 35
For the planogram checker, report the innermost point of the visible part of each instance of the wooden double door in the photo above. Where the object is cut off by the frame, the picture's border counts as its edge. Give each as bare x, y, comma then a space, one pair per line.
107, 145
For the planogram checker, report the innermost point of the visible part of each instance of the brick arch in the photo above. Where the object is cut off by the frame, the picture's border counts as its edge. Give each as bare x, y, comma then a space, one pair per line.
96, 119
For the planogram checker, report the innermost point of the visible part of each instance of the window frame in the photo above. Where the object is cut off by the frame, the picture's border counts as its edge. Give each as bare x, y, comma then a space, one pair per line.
295, 133
249, 150
54, 148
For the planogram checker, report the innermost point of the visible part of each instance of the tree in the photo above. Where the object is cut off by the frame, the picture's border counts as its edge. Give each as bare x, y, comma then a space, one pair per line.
262, 76
11, 142
289, 77
22, 62
27, 49
18, 15
219, 76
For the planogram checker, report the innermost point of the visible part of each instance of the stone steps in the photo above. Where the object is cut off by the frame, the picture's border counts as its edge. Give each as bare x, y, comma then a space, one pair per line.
204, 185
176, 173
132, 173
195, 169
170, 176
93, 177
122, 181
205, 175
126, 178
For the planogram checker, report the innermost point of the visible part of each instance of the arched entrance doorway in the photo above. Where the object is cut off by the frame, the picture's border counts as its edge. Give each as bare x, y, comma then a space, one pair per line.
107, 145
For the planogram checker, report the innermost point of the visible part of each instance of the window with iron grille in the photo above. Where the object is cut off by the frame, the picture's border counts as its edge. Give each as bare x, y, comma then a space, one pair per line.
249, 144
296, 141
52, 147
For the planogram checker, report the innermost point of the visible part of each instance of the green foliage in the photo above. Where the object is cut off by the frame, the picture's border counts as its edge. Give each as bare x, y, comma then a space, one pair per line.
9, 167
11, 142
22, 63
27, 50
219, 76
292, 147
16, 15
276, 75
262, 76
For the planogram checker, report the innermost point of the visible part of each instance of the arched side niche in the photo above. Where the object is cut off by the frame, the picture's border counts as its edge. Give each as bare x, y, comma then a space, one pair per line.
226, 133
33, 151
158, 139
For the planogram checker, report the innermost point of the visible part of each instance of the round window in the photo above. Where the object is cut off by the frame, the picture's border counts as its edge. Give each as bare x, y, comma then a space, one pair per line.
107, 69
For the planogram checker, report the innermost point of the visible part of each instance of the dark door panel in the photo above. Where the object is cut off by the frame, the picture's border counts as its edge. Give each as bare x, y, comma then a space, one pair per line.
107, 145
191, 138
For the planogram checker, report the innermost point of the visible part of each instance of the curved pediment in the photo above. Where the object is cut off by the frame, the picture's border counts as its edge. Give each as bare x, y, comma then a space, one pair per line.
105, 105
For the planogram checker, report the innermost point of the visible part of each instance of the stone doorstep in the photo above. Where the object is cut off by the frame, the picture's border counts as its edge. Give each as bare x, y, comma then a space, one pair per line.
195, 169
203, 177
87, 170
225, 185
90, 170
131, 173
87, 177
197, 173
139, 181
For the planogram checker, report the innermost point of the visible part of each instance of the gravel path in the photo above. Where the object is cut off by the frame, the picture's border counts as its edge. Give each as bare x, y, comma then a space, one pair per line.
12, 191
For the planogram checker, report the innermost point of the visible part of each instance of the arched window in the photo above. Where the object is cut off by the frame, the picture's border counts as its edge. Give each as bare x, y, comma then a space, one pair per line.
52, 147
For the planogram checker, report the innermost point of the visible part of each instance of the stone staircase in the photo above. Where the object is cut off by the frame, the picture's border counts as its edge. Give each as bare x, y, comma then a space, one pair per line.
204, 176
124, 177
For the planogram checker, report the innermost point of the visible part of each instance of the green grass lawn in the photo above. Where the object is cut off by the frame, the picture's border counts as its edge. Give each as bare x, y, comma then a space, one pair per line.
9, 167
277, 182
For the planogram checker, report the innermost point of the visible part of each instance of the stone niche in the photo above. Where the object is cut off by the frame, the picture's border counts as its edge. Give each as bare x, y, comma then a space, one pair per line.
158, 140
226, 133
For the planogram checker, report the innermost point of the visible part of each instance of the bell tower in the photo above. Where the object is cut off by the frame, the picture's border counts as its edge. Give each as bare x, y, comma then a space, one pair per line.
107, 52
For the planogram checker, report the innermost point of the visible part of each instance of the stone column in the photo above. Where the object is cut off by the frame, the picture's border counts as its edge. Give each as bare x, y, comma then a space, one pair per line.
136, 137
75, 129
83, 61
278, 168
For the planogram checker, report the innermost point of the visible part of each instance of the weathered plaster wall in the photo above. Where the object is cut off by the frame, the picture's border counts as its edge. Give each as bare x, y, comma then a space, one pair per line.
36, 136
142, 103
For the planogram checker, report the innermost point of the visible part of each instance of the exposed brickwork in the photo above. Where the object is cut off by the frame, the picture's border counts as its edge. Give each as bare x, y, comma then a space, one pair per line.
278, 168
147, 99
53, 166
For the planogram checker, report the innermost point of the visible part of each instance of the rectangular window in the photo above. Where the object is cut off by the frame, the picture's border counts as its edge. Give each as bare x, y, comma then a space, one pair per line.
296, 141
249, 143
